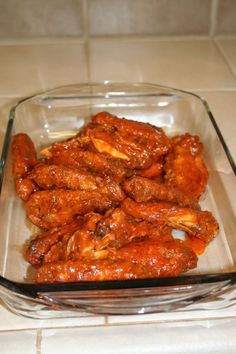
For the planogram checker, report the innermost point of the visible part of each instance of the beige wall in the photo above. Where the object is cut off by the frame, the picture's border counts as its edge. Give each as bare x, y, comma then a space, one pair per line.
39, 18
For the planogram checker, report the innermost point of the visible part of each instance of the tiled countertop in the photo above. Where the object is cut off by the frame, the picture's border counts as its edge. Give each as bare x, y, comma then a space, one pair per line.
207, 67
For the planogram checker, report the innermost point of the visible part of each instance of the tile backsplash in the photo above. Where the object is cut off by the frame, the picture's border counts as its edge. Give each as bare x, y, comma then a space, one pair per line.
83, 18
111, 17
226, 17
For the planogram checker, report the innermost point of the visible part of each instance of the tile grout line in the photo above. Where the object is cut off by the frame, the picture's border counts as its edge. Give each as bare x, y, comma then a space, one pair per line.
154, 37
107, 323
225, 57
75, 39
38, 341
115, 324
86, 38
213, 16
225, 36
160, 322
81, 39
40, 41
213, 90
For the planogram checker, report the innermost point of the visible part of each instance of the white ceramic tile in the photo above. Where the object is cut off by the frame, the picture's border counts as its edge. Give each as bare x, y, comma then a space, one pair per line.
223, 107
27, 69
18, 342
10, 321
188, 64
145, 339
228, 46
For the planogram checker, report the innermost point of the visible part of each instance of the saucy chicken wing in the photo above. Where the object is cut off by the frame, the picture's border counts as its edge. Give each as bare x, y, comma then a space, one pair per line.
144, 190
135, 135
38, 247
24, 159
146, 259
117, 228
106, 145
92, 161
80, 244
111, 136
90, 237
60, 176
184, 167
48, 209
200, 224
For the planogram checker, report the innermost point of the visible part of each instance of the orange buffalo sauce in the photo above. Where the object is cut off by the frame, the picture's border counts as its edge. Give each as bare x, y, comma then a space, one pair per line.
198, 246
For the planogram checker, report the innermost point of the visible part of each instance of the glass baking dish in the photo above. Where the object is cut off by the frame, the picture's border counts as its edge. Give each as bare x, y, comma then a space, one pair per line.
57, 115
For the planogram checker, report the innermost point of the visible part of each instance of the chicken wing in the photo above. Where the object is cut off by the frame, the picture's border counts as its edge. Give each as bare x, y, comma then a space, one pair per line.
184, 167
146, 259
80, 244
48, 209
117, 228
60, 176
144, 190
106, 144
24, 159
200, 224
91, 161
38, 247
139, 149
91, 237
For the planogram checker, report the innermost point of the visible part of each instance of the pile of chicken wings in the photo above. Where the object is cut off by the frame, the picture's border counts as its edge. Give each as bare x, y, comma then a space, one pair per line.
108, 199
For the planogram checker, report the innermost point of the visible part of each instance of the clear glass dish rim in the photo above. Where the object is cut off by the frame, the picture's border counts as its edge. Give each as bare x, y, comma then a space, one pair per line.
32, 290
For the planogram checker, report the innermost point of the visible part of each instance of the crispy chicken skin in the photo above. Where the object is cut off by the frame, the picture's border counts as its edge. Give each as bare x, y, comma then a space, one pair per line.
144, 190
108, 200
146, 259
24, 159
52, 208
184, 167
